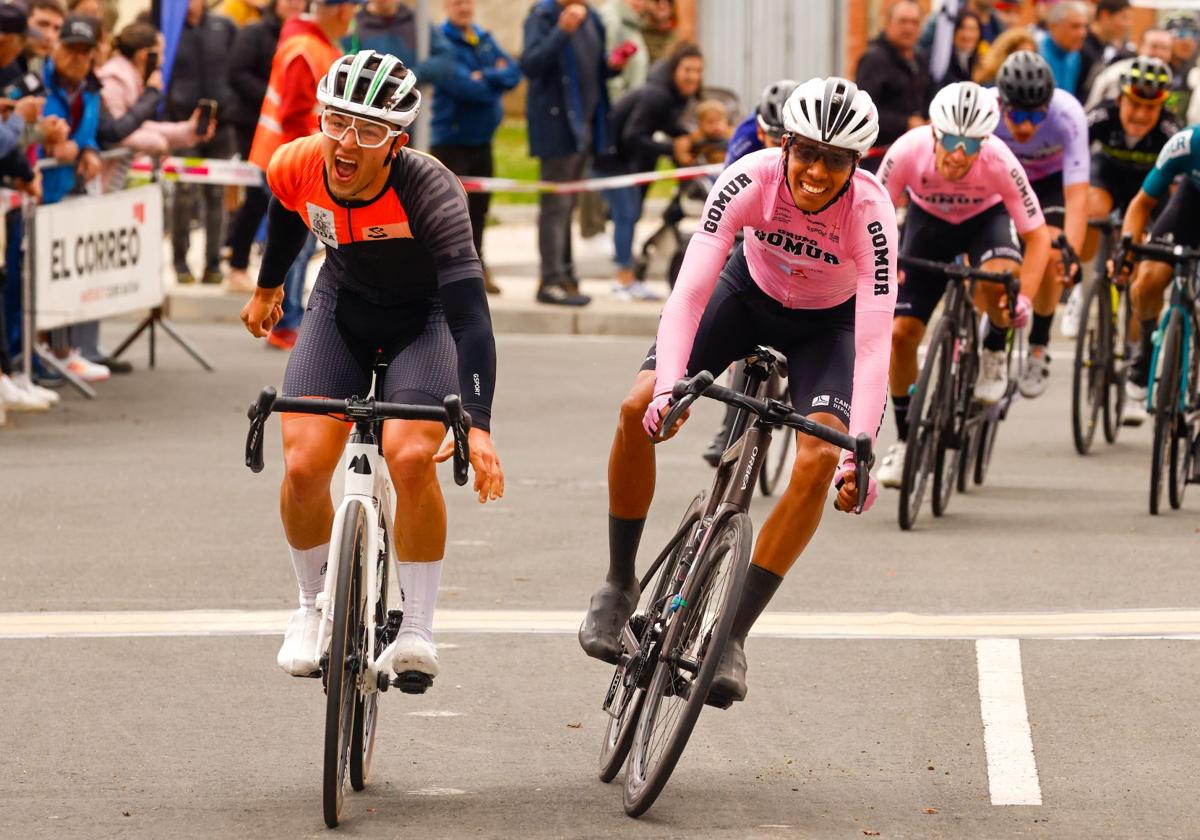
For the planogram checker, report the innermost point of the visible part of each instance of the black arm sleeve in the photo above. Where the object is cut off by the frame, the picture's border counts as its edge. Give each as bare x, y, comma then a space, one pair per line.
286, 233
470, 323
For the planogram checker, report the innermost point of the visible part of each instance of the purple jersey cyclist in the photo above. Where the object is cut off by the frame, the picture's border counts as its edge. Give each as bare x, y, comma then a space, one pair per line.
1047, 130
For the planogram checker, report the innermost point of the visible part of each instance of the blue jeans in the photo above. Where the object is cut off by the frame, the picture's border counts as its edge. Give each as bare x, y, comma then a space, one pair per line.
625, 208
293, 287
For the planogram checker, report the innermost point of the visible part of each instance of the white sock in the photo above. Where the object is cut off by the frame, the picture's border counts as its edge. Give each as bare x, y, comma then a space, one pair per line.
419, 582
309, 564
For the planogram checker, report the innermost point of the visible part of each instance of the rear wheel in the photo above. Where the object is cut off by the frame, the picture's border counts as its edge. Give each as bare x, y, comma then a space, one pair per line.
694, 640
987, 442
1182, 433
1093, 361
623, 703
925, 410
1121, 351
345, 656
1165, 407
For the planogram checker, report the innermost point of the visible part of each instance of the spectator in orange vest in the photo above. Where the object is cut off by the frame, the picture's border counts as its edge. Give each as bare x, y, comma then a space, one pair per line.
308, 46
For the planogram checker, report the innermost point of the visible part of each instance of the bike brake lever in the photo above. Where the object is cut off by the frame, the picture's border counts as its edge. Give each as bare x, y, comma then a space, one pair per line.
260, 409
863, 459
460, 424
685, 392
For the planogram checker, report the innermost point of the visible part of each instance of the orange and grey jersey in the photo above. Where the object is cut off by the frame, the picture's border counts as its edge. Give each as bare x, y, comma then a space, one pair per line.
408, 247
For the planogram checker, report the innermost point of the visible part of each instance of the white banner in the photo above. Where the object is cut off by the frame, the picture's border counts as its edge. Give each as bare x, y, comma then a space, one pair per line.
98, 256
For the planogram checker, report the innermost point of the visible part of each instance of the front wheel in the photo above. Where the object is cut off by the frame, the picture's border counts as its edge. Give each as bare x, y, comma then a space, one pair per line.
1165, 406
692, 646
366, 704
987, 442
345, 656
924, 413
1093, 362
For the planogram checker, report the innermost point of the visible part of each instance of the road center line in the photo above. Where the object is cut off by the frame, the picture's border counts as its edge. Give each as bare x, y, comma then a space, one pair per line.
1012, 771
1101, 624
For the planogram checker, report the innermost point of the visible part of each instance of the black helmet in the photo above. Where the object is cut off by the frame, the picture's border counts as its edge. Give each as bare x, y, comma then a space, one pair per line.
1147, 78
770, 106
1025, 81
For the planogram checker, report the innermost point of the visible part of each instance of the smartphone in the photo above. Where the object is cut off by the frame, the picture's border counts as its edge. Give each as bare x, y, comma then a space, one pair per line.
151, 65
29, 85
208, 110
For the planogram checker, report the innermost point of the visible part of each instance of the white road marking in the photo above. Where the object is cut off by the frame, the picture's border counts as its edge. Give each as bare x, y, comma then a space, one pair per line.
1099, 624
1012, 770
436, 792
434, 713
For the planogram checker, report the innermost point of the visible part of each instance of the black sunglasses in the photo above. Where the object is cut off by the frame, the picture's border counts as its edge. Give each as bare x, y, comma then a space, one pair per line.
807, 153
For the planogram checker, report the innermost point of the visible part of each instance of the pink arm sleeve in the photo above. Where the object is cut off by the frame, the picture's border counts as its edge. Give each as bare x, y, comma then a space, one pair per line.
895, 169
724, 214
1013, 185
875, 304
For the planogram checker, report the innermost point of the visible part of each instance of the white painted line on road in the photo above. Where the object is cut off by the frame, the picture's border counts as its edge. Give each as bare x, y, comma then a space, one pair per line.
1012, 771
436, 792
1100, 624
434, 713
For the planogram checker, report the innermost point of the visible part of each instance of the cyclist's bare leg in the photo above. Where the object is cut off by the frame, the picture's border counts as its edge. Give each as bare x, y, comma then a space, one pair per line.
907, 333
1099, 205
1150, 282
409, 447
794, 520
1049, 292
312, 447
991, 297
631, 460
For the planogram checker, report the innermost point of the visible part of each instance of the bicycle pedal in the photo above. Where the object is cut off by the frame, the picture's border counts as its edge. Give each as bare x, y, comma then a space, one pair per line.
413, 682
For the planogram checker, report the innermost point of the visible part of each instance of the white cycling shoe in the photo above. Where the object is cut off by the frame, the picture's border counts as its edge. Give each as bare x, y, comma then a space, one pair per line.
1134, 411
298, 655
1032, 382
411, 652
891, 468
1072, 313
992, 383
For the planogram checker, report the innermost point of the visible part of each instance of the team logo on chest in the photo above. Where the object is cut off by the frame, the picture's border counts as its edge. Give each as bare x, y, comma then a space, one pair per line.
399, 230
322, 224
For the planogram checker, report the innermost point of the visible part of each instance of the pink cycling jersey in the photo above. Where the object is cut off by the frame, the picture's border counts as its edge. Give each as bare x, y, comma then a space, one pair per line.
804, 261
995, 176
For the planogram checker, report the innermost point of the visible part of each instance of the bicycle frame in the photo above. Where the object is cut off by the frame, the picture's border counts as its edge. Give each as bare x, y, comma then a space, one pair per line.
367, 482
1184, 300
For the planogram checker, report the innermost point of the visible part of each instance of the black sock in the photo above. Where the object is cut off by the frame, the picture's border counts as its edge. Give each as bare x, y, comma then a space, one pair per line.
759, 588
996, 338
1139, 371
900, 407
1039, 330
624, 535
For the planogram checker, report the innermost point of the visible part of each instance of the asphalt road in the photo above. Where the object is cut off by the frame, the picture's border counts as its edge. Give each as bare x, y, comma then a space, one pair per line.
139, 501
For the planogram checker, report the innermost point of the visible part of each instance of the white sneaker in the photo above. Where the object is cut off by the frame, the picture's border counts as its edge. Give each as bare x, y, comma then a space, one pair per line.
1072, 313
29, 386
18, 399
85, 370
622, 292
1037, 369
299, 655
891, 468
411, 652
1134, 413
992, 383
638, 290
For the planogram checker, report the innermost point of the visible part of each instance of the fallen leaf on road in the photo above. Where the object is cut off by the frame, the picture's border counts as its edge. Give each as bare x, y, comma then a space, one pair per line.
870, 833
931, 810
574, 726
124, 813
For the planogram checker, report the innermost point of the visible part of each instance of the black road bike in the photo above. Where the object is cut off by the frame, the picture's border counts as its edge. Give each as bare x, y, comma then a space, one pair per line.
356, 624
673, 642
950, 435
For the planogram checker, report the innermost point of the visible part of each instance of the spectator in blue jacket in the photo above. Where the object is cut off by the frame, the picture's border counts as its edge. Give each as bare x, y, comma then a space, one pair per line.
565, 60
467, 109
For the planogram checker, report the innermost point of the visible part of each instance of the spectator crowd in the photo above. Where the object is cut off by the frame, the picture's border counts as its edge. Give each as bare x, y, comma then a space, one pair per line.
613, 87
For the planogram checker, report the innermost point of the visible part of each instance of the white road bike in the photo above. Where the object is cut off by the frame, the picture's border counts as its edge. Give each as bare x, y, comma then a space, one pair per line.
356, 625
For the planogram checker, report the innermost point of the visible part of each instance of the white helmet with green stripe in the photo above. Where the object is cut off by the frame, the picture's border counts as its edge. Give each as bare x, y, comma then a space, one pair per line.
373, 85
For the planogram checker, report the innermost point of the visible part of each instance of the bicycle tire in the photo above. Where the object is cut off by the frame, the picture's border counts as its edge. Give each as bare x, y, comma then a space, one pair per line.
618, 734
1166, 400
922, 428
776, 464
366, 705
1120, 352
987, 442
1093, 358
1181, 433
340, 676
716, 584
966, 457
955, 435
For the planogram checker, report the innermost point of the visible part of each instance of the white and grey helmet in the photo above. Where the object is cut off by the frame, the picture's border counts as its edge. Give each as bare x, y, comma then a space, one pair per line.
832, 111
372, 85
965, 109
770, 106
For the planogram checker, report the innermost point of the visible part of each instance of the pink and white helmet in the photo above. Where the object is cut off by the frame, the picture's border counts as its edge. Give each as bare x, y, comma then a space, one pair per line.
832, 111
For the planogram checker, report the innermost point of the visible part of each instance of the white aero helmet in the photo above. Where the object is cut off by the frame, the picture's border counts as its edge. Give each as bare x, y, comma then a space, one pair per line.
832, 111
965, 109
373, 85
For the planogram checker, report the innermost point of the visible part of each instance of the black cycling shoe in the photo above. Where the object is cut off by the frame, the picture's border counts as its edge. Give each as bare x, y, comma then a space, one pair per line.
729, 683
609, 610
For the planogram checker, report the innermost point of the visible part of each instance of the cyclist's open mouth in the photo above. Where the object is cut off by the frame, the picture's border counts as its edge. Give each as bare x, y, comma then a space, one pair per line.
343, 168
812, 189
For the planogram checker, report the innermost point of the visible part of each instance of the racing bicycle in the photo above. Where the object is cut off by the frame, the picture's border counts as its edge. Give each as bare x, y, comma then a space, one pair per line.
673, 642
950, 435
356, 624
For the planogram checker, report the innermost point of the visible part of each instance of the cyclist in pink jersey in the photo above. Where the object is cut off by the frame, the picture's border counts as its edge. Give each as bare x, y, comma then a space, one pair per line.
815, 279
967, 195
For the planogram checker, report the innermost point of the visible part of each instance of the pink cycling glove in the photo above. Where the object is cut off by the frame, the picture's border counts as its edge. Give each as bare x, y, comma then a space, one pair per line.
653, 415
847, 469
1024, 311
